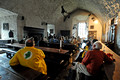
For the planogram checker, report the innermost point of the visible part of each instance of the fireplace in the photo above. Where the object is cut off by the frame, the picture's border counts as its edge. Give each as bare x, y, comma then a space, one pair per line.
37, 33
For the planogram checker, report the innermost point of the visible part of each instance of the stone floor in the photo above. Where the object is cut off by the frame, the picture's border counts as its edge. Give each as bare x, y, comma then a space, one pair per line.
64, 74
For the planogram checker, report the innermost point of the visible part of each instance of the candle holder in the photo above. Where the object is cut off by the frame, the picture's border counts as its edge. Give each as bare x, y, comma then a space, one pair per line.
60, 49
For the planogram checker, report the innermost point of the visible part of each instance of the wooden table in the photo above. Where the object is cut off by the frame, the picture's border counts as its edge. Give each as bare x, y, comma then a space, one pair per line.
46, 49
66, 46
55, 60
112, 70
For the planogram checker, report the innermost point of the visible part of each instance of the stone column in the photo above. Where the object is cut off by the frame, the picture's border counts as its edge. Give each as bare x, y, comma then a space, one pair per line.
20, 27
103, 32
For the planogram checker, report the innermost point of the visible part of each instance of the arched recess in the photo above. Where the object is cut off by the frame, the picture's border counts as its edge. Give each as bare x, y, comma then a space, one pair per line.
94, 29
76, 16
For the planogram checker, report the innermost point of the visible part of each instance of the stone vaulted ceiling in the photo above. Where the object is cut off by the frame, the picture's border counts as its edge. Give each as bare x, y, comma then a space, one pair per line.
50, 10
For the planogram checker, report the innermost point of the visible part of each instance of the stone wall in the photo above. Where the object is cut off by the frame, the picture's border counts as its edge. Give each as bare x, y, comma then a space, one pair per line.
12, 21
97, 27
16, 24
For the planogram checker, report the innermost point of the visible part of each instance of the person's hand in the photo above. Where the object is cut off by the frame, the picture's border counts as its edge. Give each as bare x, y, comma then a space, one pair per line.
113, 60
110, 56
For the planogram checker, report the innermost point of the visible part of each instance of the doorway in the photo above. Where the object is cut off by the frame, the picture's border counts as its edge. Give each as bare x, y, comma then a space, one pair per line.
50, 29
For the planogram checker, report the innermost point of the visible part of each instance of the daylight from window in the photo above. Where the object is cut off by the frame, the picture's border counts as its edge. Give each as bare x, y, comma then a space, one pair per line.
82, 30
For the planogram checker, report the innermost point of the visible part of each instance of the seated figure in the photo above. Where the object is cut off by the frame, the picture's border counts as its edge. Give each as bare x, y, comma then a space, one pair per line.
31, 57
92, 61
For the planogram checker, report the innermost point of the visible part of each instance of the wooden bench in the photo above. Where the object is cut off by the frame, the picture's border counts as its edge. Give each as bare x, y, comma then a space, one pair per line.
18, 72
112, 70
9, 53
27, 73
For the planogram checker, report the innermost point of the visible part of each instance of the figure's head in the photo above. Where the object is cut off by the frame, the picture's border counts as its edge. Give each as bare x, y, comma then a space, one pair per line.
97, 45
30, 42
93, 41
88, 43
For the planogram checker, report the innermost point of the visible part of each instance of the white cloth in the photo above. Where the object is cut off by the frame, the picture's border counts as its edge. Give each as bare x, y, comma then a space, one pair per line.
80, 68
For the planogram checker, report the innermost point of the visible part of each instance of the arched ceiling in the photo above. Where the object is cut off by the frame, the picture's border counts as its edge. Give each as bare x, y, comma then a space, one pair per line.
50, 10
81, 18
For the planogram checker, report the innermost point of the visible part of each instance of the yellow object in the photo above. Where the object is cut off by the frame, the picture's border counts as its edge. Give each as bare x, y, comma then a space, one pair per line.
70, 60
86, 49
83, 54
30, 57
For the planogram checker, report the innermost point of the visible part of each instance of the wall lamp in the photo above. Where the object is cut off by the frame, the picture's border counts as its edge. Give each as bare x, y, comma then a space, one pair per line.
94, 20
